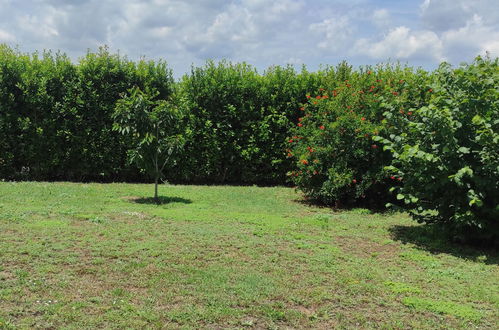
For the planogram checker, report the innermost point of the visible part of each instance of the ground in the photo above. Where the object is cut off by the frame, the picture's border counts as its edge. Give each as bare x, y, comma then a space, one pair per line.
105, 256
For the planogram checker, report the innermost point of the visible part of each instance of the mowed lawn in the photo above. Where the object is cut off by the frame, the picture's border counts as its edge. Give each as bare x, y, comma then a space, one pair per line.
81, 256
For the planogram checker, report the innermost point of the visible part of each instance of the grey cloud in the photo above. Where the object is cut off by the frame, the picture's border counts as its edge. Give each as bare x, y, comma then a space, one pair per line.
444, 15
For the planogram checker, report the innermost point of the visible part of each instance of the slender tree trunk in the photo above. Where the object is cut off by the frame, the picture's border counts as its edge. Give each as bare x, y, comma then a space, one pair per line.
156, 177
156, 198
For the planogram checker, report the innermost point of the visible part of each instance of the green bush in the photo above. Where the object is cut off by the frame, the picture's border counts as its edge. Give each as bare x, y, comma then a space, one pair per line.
448, 152
337, 161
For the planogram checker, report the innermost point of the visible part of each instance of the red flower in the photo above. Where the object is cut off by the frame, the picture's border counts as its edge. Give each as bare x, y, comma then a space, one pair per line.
290, 154
321, 127
304, 162
400, 179
354, 181
325, 97
300, 119
302, 108
318, 97
369, 72
392, 177
430, 90
374, 146
363, 118
300, 124
395, 93
308, 96
409, 113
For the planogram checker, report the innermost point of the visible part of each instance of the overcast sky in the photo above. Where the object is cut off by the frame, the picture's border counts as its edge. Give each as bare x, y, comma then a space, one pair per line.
260, 32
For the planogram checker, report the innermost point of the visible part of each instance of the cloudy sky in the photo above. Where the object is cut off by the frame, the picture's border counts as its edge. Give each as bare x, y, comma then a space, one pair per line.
260, 32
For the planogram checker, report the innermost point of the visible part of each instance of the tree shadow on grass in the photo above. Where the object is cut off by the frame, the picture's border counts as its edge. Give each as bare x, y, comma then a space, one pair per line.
162, 200
434, 240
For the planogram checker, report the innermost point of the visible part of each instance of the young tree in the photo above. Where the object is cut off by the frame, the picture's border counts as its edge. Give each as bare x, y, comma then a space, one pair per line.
155, 128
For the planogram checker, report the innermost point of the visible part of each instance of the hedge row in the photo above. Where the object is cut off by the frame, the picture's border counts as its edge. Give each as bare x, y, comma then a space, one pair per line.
343, 136
55, 116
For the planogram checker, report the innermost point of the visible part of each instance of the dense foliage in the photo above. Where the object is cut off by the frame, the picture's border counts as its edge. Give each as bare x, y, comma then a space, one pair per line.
55, 116
448, 152
239, 122
337, 161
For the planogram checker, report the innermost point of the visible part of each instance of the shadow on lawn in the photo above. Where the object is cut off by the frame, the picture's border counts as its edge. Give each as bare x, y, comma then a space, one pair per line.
160, 201
367, 208
432, 239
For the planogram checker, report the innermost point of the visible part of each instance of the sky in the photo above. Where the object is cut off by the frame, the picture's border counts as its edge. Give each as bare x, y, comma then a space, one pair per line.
260, 32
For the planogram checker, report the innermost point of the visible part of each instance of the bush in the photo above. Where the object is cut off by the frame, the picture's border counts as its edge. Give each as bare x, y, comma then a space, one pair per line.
337, 161
448, 152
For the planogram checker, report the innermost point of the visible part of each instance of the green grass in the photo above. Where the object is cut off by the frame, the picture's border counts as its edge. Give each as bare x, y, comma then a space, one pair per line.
93, 255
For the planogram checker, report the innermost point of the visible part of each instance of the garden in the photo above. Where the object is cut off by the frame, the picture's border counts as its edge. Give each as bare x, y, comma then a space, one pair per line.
344, 197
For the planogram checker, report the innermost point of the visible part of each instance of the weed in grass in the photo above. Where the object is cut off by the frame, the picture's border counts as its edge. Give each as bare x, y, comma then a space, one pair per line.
443, 307
398, 287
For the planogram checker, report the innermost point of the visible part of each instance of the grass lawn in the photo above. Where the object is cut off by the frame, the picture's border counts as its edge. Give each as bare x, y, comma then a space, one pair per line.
102, 255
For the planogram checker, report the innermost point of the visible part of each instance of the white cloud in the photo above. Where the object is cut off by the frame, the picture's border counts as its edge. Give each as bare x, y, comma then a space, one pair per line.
475, 37
6, 36
333, 33
402, 43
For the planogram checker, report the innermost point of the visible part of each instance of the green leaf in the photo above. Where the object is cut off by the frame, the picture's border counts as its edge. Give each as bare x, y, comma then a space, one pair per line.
464, 150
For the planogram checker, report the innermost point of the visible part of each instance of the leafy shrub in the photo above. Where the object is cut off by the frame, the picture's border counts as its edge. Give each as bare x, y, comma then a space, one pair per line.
448, 152
337, 161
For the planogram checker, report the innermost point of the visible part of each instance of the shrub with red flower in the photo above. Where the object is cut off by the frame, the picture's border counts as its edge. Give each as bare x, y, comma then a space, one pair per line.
343, 165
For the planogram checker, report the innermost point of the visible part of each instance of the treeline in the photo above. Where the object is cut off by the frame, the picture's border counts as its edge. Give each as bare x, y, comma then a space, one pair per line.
56, 117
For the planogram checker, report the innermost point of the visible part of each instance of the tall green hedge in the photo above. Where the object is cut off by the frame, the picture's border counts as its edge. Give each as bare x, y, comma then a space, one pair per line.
55, 116
239, 122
